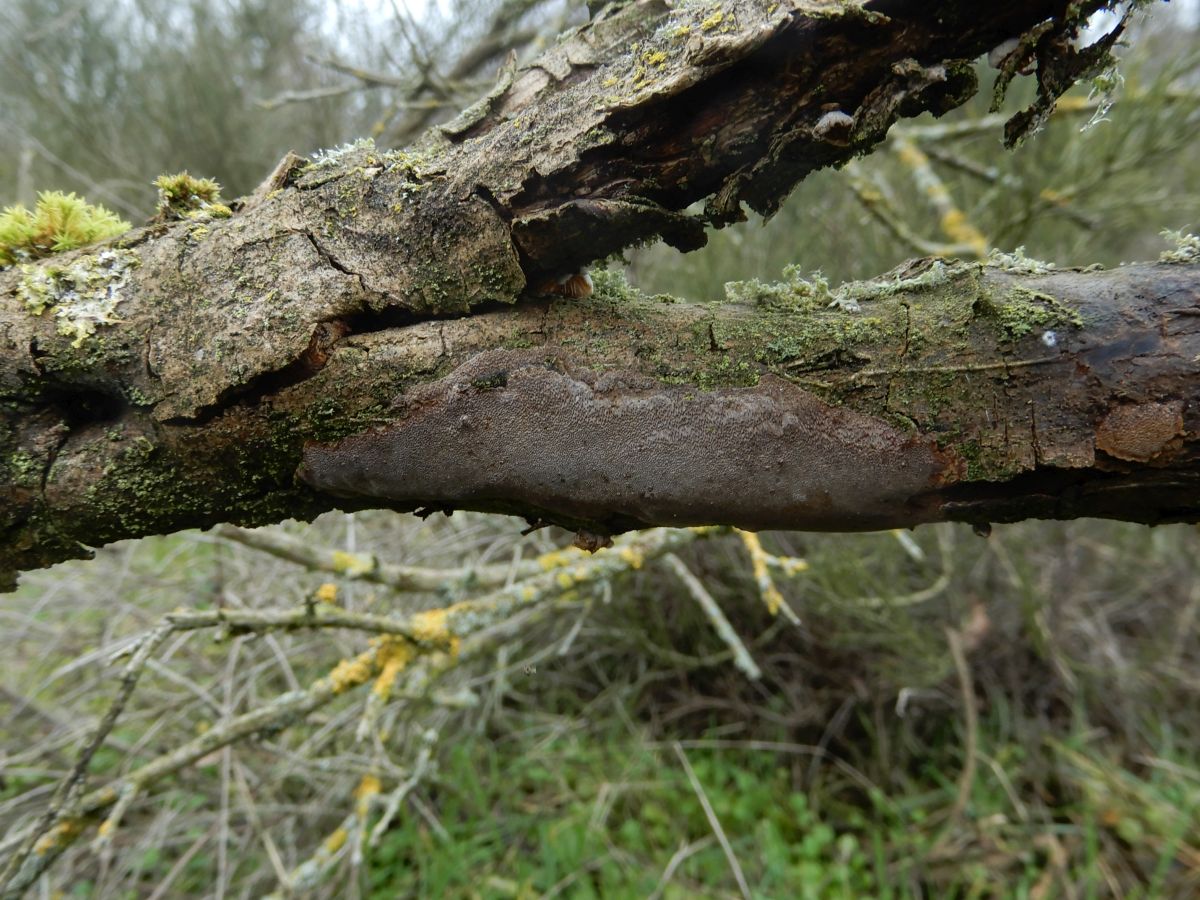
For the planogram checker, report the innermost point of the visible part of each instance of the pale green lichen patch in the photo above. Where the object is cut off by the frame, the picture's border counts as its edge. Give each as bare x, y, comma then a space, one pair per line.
800, 294
58, 222
82, 295
794, 292
1186, 249
1024, 310
328, 158
1018, 263
184, 196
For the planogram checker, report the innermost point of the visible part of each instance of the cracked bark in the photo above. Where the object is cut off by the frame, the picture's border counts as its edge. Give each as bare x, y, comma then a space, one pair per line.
360, 333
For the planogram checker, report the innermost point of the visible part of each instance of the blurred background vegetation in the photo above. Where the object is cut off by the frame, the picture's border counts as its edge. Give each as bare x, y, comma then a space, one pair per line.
1016, 715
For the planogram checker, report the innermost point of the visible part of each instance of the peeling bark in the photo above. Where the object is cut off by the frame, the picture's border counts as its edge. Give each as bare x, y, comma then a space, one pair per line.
355, 309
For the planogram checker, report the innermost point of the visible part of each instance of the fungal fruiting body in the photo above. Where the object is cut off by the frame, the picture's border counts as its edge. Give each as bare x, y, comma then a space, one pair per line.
834, 127
576, 285
611, 450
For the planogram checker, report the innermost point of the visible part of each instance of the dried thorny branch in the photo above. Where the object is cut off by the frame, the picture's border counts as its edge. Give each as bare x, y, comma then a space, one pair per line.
408, 654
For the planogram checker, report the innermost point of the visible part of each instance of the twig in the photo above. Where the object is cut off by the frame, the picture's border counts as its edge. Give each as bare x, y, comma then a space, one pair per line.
678, 858
367, 567
286, 97
935, 588
469, 627
1048, 198
952, 221
759, 560
741, 656
966, 780
854, 774
366, 76
47, 837
713, 821
256, 820
396, 797
877, 204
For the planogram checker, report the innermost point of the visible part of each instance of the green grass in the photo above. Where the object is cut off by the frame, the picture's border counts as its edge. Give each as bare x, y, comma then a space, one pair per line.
600, 814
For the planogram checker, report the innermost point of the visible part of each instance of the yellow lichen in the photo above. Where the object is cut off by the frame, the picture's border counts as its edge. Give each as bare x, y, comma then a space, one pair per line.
758, 562
368, 787
350, 673
355, 565
713, 21
326, 593
790, 565
62, 833
956, 227
393, 657
557, 559
82, 295
215, 210
632, 557
335, 841
431, 626
564, 580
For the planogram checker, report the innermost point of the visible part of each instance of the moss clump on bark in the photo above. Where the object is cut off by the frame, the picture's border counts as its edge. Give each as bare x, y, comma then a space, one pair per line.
57, 223
184, 196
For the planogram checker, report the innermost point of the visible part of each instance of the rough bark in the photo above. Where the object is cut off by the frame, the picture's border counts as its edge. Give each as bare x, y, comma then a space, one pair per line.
363, 332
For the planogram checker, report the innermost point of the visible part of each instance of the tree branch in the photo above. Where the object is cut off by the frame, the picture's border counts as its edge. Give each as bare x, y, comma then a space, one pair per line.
363, 332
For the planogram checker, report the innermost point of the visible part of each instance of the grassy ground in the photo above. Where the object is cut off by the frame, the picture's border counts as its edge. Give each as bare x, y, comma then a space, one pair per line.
954, 716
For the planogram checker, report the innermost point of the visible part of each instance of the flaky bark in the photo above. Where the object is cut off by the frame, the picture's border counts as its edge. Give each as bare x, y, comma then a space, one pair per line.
362, 331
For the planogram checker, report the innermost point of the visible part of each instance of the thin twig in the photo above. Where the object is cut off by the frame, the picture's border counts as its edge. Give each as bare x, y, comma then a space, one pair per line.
678, 858
721, 625
713, 821
396, 797
17, 875
966, 780
367, 567
470, 626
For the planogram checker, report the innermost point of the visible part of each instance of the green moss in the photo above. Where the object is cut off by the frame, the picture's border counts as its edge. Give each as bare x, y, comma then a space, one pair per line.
972, 454
610, 284
184, 196
24, 470
212, 210
58, 222
136, 396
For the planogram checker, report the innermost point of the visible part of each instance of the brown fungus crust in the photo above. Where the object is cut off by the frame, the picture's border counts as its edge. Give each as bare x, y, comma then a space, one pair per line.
622, 450
1141, 433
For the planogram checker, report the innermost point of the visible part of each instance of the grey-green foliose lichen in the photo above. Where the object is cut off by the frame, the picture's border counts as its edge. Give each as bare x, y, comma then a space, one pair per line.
81, 295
